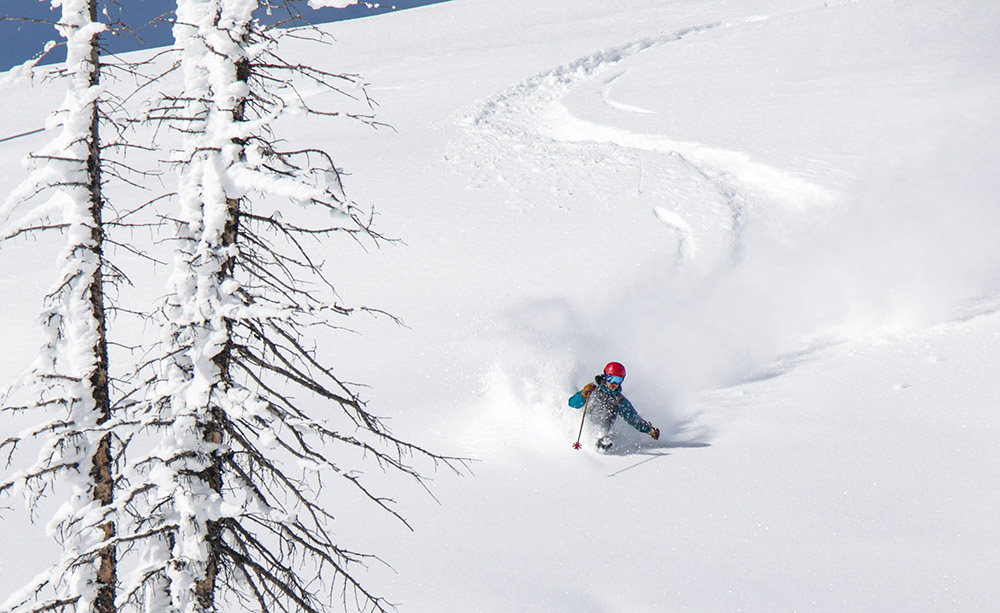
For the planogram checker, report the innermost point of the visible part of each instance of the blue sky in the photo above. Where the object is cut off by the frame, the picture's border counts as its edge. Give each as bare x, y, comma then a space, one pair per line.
23, 39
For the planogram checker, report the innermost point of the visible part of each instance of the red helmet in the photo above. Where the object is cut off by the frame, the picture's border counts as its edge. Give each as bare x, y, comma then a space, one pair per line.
614, 369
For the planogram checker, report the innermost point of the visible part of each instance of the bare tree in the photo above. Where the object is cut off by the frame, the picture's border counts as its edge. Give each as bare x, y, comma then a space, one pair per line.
68, 388
228, 426
233, 402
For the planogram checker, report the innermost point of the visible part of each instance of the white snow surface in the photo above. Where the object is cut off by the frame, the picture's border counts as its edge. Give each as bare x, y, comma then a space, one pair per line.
782, 216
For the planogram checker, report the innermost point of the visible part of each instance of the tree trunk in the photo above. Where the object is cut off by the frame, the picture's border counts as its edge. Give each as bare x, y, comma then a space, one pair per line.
102, 471
214, 430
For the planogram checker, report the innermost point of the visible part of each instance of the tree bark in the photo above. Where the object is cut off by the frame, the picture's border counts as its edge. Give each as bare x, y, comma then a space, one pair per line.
102, 471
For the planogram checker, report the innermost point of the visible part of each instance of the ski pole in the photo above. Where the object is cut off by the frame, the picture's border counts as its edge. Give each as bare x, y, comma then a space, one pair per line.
586, 403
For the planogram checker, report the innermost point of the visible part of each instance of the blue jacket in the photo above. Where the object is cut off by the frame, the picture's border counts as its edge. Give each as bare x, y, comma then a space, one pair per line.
612, 400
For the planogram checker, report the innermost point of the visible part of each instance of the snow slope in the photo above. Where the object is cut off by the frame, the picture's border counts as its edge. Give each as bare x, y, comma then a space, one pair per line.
780, 215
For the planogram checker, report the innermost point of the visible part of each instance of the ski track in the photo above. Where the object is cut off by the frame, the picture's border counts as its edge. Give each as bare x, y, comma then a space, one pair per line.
606, 97
680, 226
504, 134
527, 130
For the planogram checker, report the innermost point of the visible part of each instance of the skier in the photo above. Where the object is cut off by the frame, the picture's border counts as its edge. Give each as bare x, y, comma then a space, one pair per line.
604, 402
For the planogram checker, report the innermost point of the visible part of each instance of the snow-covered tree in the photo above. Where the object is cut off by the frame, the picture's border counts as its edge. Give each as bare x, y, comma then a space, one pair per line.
66, 395
229, 488
227, 425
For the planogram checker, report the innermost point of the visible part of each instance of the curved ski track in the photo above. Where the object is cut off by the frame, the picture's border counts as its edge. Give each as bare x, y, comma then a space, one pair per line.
516, 133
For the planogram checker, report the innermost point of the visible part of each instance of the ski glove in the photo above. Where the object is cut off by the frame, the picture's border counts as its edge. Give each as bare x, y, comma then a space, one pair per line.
655, 433
587, 389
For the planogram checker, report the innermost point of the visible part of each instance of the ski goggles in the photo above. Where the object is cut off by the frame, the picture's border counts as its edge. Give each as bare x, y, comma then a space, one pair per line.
617, 380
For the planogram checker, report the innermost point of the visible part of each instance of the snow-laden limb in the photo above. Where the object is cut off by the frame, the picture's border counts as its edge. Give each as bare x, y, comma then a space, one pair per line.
66, 390
26, 71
